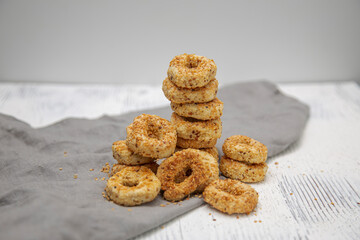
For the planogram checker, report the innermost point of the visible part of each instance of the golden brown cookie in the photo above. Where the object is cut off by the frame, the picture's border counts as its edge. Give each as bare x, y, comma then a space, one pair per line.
193, 129
231, 196
243, 171
246, 149
191, 71
125, 156
176, 94
133, 186
151, 136
202, 111
187, 161
211, 165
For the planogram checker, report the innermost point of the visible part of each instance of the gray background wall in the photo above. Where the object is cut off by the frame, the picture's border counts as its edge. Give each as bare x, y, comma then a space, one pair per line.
133, 41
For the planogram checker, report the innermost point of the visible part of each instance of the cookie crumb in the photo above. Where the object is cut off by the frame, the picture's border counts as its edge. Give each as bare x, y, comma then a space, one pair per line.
315, 199
237, 217
113, 209
129, 209
96, 179
75, 176
162, 205
91, 169
60, 168
106, 168
209, 214
291, 193
162, 227
214, 220
255, 221
332, 203
103, 178
276, 163
260, 221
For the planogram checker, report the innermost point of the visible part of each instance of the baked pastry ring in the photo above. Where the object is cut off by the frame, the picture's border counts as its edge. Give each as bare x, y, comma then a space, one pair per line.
133, 186
243, 171
202, 111
151, 136
171, 169
193, 129
190, 95
231, 196
125, 156
191, 71
246, 149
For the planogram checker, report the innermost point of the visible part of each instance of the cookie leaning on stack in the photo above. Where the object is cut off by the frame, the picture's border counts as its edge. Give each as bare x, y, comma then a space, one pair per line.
191, 87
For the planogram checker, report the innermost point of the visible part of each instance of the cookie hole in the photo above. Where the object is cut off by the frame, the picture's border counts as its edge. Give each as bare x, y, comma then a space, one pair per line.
181, 176
154, 131
130, 183
191, 62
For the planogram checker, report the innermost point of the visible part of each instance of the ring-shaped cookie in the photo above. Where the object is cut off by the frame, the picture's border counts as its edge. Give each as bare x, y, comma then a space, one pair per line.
243, 171
231, 196
188, 143
191, 71
117, 167
193, 129
190, 95
151, 136
246, 149
187, 161
202, 111
211, 166
125, 156
133, 186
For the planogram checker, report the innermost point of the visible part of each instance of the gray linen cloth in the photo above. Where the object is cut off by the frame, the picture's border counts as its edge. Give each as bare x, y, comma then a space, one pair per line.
39, 201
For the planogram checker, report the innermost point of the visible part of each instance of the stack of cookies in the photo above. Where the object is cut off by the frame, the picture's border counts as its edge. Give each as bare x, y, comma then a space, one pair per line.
244, 159
143, 145
191, 87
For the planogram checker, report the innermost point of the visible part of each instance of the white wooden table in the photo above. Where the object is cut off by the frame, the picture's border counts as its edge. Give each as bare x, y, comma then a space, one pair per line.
311, 191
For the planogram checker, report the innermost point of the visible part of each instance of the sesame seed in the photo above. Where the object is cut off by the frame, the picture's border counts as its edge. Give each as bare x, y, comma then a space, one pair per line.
60, 168
75, 176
